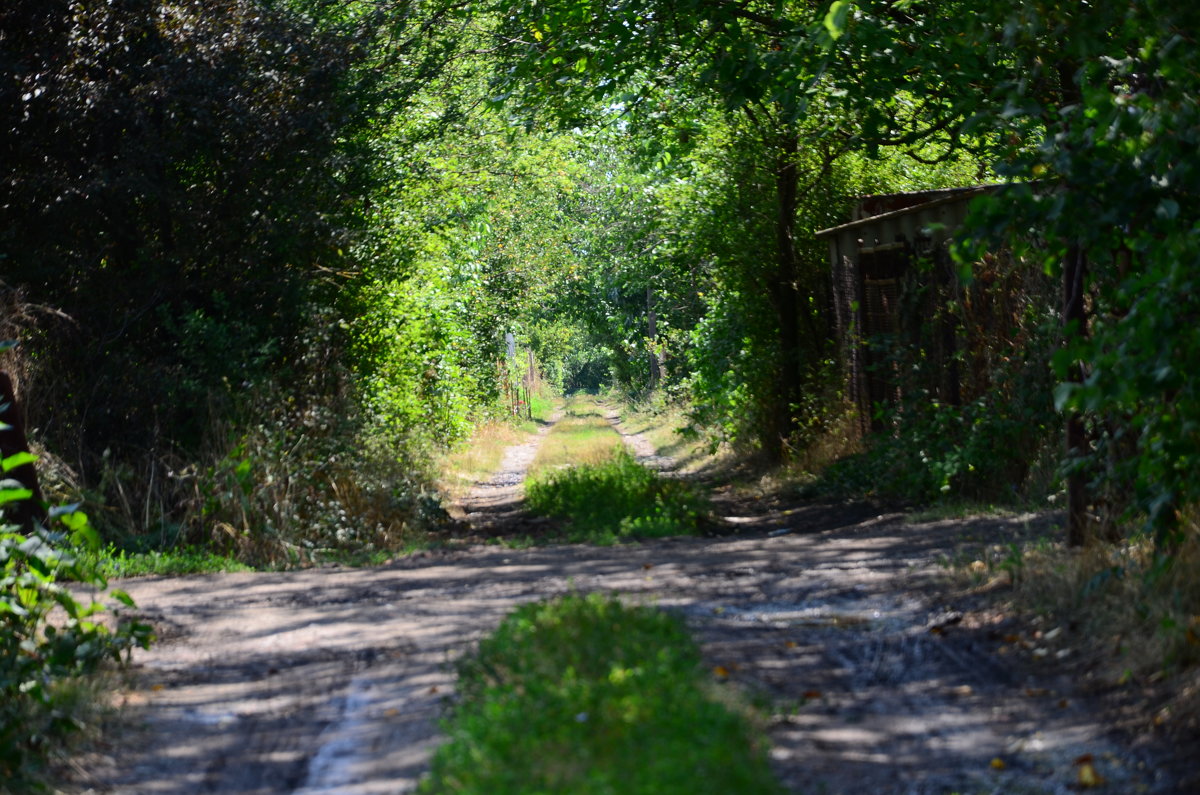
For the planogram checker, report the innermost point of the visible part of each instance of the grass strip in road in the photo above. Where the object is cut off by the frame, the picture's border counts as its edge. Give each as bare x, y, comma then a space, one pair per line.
615, 500
585, 695
582, 436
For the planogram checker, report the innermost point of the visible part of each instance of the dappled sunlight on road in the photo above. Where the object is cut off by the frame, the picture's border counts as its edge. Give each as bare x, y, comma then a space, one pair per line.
331, 680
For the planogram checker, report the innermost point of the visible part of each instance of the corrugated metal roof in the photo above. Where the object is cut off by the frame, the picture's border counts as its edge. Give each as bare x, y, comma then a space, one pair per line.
905, 203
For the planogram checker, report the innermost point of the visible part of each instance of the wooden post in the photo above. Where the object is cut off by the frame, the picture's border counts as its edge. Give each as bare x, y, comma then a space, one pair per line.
652, 336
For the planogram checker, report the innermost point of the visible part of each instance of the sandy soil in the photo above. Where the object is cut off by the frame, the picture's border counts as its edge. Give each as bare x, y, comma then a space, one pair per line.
332, 680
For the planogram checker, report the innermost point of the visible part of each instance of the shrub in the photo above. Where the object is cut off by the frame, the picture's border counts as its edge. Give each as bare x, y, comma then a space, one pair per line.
314, 478
39, 658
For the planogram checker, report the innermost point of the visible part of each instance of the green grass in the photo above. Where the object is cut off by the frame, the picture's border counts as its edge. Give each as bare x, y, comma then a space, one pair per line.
584, 695
114, 563
614, 500
543, 405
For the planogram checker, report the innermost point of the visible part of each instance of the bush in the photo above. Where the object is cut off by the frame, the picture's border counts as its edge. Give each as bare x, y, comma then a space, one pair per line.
312, 478
988, 447
584, 695
40, 659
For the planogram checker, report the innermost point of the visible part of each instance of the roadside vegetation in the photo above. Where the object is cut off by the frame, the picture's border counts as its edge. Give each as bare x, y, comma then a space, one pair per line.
616, 499
586, 695
49, 664
1117, 614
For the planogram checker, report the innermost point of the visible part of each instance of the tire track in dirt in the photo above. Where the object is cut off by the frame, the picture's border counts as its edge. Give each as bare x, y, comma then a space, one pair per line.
639, 444
496, 503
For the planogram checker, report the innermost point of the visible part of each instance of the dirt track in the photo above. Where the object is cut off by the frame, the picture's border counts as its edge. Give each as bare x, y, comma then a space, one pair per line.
332, 680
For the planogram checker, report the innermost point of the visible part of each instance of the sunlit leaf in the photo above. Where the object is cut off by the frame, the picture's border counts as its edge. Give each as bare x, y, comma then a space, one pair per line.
11, 495
835, 19
122, 597
17, 459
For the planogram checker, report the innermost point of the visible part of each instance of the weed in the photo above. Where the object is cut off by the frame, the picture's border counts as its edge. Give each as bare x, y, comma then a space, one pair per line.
585, 695
1124, 597
45, 664
1128, 609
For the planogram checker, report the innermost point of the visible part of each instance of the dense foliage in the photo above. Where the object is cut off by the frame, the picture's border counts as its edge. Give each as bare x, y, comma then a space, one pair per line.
616, 500
205, 203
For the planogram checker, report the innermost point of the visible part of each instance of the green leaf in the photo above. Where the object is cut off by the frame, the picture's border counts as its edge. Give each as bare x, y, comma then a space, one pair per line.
59, 510
1064, 394
68, 602
85, 536
1167, 209
122, 597
8, 495
17, 459
835, 20
76, 520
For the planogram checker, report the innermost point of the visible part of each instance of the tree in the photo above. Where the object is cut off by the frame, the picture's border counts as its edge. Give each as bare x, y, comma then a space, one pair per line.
170, 184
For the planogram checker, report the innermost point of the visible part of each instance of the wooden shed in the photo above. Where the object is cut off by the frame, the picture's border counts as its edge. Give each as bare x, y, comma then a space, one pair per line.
892, 277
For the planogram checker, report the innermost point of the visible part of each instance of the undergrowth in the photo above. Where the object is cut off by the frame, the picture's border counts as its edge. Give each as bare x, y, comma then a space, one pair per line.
1142, 607
52, 644
932, 451
584, 695
616, 499
1127, 611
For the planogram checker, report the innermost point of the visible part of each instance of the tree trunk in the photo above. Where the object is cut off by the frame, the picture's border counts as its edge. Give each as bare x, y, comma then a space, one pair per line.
785, 298
1074, 319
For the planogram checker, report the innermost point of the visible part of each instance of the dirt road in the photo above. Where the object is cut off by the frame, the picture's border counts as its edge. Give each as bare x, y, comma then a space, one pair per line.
332, 680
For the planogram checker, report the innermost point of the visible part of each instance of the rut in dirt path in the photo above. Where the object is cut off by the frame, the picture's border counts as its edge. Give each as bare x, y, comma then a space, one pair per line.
495, 505
639, 444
